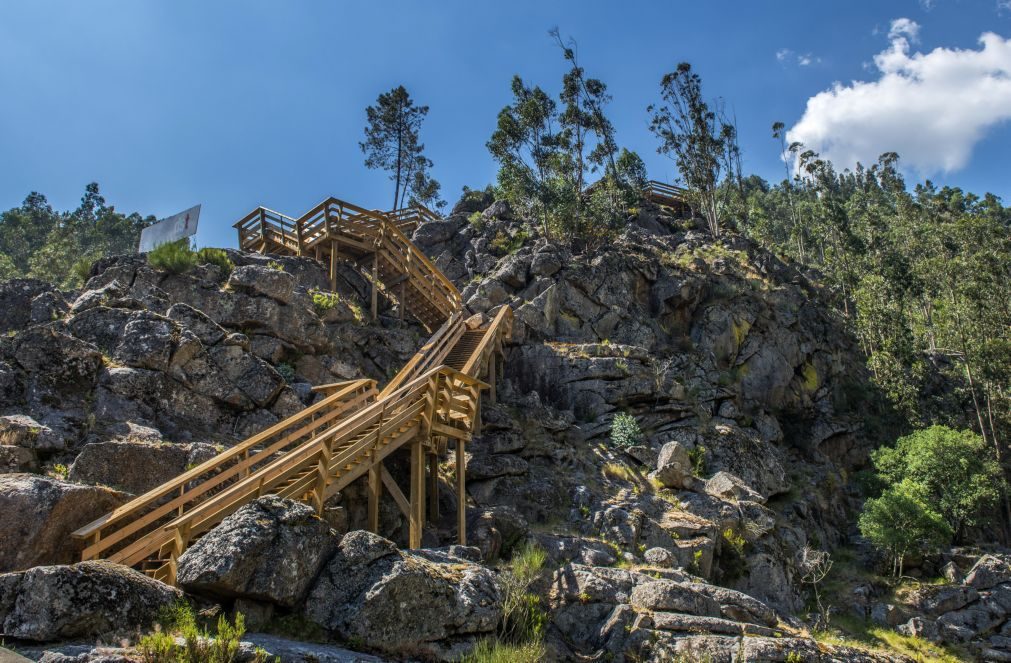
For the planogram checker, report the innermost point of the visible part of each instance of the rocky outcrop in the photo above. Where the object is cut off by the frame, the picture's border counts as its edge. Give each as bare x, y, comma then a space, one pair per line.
134, 466
409, 603
85, 600
270, 550
41, 513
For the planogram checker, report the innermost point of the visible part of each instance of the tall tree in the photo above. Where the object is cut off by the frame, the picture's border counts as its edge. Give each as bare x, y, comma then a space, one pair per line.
392, 143
699, 137
526, 145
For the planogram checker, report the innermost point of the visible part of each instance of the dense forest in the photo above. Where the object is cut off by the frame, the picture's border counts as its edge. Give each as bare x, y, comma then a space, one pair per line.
37, 241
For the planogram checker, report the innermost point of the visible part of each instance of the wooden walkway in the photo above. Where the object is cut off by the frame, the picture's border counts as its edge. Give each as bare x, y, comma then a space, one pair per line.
434, 401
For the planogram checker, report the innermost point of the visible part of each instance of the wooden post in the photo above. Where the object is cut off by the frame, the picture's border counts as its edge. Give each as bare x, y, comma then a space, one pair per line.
322, 470
491, 379
375, 282
403, 300
375, 494
433, 487
417, 518
461, 493
333, 266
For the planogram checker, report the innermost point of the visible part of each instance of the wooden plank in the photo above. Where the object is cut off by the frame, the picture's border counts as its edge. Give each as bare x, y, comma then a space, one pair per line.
461, 493
417, 505
395, 492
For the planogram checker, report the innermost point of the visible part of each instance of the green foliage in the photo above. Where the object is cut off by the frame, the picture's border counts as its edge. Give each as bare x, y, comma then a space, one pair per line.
61, 471
919, 274
625, 431
392, 143
287, 371
523, 616
495, 651
547, 153
509, 244
209, 256
198, 645
697, 455
956, 470
324, 301
37, 241
276, 266
173, 257
700, 138
902, 521
476, 219
734, 540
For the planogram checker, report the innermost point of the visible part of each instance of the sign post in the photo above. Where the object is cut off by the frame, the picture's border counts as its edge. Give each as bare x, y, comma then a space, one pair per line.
171, 229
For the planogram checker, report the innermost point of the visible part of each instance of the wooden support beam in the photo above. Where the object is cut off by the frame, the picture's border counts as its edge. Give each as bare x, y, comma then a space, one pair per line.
433, 487
375, 495
491, 379
395, 492
375, 284
403, 298
461, 493
333, 266
417, 518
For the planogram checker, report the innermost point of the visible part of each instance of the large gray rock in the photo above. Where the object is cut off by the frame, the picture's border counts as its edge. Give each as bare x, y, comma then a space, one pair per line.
274, 283
726, 486
16, 296
403, 602
269, 550
674, 466
135, 467
944, 598
667, 596
40, 513
85, 600
987, 572
22, 431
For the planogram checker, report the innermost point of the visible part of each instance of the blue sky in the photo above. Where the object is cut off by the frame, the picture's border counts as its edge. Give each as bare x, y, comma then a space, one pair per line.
234, 104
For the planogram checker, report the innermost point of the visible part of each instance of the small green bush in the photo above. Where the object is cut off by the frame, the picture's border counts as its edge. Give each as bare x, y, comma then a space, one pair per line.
476, 219
173, 257
324, 301
198, 645
287, 371
698, 457
625, 431
209, 256
495, 651
276, 266
509, 244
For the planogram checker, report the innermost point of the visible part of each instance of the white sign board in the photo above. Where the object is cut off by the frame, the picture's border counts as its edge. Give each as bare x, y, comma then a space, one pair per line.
172, 229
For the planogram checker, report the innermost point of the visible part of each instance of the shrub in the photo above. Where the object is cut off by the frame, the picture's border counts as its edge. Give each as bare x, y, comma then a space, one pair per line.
173, 257
198, 645
509, 244
276, 266
494, 651
903, 520
625, 431
324, 301
287, 371
476, 219
209, 256
523, 617
698, 457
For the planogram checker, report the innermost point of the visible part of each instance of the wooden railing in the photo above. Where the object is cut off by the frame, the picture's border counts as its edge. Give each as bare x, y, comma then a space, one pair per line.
348, 433
441, 401
119, 534
409, 218
335, 220
664, 194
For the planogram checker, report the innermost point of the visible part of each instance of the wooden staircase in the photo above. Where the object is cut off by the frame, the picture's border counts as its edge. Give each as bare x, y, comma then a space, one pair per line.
347, 435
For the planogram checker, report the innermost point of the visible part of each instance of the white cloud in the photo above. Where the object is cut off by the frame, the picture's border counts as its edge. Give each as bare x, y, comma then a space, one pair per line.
904, 28
932, 108
787, 56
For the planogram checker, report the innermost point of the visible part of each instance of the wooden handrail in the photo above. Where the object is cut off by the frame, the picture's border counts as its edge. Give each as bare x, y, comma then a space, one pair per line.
303, 419
327, 445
